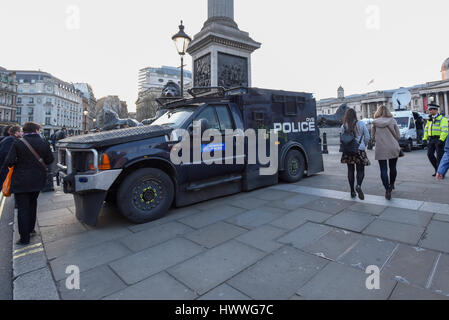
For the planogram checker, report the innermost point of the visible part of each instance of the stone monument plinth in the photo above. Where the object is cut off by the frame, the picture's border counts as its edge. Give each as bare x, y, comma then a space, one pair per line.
221, 52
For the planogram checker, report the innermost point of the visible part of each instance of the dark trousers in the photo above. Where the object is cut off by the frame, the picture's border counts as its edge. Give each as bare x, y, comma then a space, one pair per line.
27, 208
360, 174
388, 182
435, 145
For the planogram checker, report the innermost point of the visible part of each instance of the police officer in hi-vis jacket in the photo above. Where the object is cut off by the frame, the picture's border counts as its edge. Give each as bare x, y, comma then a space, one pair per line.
435, 133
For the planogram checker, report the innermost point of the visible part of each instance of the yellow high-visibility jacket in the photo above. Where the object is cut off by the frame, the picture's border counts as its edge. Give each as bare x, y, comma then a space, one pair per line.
437, 127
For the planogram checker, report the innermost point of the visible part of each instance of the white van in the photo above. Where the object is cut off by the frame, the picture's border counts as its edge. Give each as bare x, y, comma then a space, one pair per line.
407, 128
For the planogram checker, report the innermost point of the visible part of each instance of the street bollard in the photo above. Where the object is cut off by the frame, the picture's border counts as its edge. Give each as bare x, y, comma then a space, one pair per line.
325, 150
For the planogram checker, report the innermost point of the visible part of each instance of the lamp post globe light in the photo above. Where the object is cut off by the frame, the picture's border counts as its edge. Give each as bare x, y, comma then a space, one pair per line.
182, 41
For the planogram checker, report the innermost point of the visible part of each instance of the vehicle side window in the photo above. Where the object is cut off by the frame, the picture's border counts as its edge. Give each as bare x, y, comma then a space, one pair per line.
224, 117
211, 117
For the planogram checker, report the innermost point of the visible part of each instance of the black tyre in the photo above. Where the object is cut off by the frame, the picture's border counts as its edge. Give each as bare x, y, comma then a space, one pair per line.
145, 195
294, 167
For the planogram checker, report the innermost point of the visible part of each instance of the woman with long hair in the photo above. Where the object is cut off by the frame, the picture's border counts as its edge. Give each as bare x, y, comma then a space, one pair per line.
359, 160
386, 133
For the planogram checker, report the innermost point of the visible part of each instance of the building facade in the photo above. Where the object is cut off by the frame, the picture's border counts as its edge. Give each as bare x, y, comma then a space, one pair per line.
366, 104
8, 97
89, 106
49, 101
158, 77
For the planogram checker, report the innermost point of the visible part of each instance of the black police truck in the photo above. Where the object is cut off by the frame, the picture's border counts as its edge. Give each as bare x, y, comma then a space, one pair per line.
133, 167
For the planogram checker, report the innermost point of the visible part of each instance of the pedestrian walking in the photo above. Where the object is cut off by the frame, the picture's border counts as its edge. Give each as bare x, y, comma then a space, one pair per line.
354, 138
444, 164
29, 156
386, 133
435, 134
16, 132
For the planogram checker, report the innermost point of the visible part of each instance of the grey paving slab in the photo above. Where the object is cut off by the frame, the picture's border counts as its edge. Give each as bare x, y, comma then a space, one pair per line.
408, 292
88, 258
298, 217
327, 205
441, 217
293, 202
139, 266
58, 220
351, 220
257, 217
340, 282
61, 231
83, 240
224, 292
50, 206
272, 195
263, 238
158, 287
248, 203
28, 259
206, 218
215, 234
172, 215
369, 251
395, 231
416, 218
36, 285
54, 213
305, 235
213, 267
278, 276
210, 204
411, 265
436, 207
94, 285
367, 208
440, 281
333, 245
153, 236
436, 236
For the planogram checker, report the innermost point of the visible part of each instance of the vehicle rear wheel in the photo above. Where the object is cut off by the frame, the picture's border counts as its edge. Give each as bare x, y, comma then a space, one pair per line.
145, 195
294, 167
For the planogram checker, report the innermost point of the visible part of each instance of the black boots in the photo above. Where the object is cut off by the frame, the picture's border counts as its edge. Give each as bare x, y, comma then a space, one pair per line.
388, 193
360, 192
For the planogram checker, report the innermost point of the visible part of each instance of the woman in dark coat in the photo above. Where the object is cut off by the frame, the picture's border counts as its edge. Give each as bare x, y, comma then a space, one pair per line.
29, 177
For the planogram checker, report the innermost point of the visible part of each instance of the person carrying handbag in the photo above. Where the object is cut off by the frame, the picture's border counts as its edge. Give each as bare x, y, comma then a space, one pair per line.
386, 133
29, 156
354, 138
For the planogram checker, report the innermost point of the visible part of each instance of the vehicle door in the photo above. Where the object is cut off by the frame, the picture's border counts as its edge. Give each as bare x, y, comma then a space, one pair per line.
218, 117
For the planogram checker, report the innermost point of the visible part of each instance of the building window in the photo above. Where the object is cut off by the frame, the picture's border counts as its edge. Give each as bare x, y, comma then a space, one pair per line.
18, 120
161, 80
19, 100
30, 119
19, 111
31, 100
30, 111
47, 121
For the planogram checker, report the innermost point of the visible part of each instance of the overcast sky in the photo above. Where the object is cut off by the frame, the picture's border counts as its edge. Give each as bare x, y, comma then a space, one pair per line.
312, 46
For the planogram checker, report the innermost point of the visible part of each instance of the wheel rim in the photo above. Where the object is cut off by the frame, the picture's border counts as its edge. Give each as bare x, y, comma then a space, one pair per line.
148, 194
293, 167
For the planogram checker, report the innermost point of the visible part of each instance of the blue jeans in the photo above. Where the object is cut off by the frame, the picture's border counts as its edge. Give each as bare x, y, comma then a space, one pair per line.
388, 182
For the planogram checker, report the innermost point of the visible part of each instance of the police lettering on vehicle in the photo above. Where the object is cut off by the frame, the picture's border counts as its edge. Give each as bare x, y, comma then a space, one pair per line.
295, 127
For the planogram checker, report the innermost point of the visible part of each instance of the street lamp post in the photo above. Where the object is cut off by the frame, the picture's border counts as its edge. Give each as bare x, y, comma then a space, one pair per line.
182, 41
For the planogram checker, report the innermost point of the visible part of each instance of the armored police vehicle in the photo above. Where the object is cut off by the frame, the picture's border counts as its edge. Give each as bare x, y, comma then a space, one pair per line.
134, 167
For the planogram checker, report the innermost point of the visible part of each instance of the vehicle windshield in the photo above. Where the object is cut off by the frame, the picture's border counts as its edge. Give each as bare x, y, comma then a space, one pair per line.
174, 118
402, 122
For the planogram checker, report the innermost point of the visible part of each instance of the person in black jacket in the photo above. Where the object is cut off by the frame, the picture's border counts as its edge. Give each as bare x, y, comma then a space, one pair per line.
5, 146
29, 177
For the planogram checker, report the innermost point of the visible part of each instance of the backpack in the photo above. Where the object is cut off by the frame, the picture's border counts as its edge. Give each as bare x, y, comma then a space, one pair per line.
349, 144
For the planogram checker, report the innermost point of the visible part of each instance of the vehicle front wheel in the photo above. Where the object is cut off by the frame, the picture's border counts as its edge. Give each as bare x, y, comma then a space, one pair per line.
294, 167
145, 195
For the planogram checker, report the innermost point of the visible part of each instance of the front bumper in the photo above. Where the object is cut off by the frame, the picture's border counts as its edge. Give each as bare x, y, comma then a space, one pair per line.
101, 181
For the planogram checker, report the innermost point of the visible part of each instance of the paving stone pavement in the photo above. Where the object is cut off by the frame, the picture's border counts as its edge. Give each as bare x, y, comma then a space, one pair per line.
274, 243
